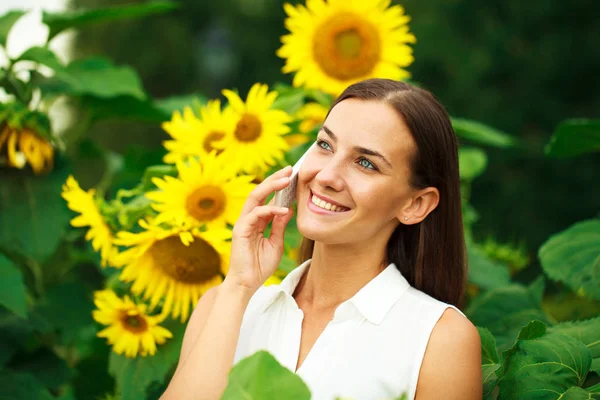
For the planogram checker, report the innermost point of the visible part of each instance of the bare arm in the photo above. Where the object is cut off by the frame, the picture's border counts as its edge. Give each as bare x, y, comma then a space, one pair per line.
451, 366
209, 345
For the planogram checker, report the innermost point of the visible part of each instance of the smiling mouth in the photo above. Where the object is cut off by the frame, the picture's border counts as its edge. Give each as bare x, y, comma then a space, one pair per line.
326, 206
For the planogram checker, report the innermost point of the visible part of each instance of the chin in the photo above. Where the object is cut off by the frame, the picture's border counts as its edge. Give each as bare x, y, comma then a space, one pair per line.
313, 230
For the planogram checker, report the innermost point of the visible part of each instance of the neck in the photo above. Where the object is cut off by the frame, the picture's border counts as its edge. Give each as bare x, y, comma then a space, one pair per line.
338, 272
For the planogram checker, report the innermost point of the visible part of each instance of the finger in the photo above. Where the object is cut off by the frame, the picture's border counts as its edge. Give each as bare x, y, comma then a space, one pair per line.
259, 194
278, 228
258, 219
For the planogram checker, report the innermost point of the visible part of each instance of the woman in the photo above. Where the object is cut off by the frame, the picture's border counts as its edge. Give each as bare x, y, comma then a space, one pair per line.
372, 310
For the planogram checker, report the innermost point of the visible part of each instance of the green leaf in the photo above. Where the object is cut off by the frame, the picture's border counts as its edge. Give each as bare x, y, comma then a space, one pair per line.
587, 332
261, 376
481, 133
504, 311
490, 378
489, 353
134, 375
57, 22
594, 389
573, 257
472, 162
44, 56
177, 103
124, 108
13, 294
20, 386
6, 22
290, 102
95, 77
543, 365
33, 215
490, 362
573, 137
485, 272
577, 393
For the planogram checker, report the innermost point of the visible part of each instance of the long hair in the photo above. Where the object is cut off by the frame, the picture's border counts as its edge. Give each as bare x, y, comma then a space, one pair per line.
431, 255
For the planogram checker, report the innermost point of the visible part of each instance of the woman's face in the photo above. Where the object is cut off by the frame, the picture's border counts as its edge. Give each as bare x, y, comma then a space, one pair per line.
360, 164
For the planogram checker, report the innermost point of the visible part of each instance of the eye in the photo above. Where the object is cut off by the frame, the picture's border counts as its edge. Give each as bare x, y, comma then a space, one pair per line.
321, 142
366, 164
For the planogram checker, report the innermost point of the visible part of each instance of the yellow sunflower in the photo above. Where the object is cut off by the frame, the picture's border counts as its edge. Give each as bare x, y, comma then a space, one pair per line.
130, 329
311, 115
207, 192
193, 136
334, 43
84, 203
257, 141
173, 264
25, 146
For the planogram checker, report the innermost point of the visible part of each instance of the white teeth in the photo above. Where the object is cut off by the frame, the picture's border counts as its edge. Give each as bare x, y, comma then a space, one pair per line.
323, 204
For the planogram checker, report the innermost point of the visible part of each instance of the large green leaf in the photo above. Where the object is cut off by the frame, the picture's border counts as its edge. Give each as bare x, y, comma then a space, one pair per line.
573, 257
587, 332
33, 215
472, 162
57, 22
543, 365
485, 272
93, 76
261, 376
573, 137
504, 311
13, 294
490, 362
21, 386
135, 375
44, 56
481, 133
124, 108
6, 22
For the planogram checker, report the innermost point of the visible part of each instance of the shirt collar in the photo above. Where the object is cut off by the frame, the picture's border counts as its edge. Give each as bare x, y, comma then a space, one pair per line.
373, 301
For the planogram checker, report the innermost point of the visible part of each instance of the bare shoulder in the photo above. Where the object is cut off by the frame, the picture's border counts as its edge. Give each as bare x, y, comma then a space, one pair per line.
452, 360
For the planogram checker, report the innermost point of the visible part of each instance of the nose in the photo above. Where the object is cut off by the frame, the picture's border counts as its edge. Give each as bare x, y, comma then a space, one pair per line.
331, 175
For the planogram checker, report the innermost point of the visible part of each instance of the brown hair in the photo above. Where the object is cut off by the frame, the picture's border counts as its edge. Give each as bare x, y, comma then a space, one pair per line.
431, 255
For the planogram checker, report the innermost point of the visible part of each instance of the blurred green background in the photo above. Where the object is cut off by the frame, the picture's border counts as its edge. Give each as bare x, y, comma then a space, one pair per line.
520, 66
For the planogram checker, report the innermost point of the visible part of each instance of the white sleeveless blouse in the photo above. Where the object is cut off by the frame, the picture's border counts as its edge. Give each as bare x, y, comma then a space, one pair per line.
372, 349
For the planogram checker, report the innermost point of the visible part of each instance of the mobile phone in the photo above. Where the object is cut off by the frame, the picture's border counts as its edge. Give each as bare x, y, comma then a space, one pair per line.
286, 196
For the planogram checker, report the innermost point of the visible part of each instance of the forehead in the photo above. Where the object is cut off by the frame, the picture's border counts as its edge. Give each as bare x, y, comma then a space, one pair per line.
372, 124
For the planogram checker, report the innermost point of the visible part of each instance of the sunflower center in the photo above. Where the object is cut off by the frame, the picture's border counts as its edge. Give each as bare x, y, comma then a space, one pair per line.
248, 129
209, 139
196, 263
347, 46
206, 203
134, 323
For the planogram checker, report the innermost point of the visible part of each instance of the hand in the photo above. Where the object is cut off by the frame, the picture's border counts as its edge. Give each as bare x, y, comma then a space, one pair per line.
253, 257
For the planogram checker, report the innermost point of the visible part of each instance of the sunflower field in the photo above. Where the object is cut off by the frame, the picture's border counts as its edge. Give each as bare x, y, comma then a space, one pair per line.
104, 253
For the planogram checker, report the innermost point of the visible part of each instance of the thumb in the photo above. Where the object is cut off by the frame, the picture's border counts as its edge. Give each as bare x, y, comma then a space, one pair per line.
278, 227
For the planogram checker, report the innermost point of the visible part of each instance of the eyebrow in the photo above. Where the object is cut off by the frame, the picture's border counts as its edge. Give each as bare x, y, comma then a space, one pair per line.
359, 149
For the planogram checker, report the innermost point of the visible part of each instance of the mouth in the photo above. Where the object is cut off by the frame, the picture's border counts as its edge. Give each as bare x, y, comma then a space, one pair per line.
321, 206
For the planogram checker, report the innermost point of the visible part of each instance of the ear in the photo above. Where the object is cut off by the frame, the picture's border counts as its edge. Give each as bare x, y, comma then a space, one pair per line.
424, 202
